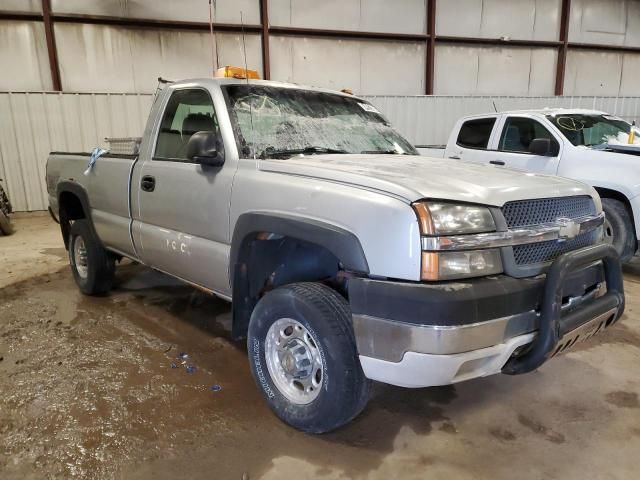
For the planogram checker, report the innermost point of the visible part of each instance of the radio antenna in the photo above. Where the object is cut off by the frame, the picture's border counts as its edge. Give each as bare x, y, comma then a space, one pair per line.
214, 47
246, 76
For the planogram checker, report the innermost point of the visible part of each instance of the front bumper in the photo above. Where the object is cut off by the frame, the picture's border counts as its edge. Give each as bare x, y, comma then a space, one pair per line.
418, 335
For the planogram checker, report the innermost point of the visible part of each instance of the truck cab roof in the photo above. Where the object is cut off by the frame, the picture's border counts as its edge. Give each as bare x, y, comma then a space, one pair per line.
542, 112
212, 82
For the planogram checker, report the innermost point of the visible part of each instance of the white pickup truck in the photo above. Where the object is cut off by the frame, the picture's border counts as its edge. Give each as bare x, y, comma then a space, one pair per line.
586, 145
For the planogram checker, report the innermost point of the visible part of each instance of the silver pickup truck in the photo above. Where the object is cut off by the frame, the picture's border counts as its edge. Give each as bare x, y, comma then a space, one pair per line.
348, 257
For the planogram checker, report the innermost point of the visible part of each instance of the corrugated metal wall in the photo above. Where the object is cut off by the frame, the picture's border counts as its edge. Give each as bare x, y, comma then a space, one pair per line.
33, 124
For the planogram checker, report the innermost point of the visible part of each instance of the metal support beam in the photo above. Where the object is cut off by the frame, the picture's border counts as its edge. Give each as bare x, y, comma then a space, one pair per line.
320, 32
264, 20
431, 50
153, 24
497, 42
562, 50
51, 45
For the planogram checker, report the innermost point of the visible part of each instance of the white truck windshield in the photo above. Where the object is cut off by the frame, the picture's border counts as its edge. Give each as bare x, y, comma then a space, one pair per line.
590, 130
273, 122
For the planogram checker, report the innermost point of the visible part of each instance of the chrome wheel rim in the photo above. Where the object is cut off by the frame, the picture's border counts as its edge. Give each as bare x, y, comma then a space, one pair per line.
80, 257
294, 361
608, 231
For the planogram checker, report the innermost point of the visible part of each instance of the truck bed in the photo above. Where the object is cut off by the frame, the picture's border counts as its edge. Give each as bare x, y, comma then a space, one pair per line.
107, 187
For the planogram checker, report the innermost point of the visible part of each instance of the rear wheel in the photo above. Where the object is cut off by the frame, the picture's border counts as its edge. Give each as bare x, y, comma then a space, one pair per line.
618, 228
5, 209
92, 266
304, 359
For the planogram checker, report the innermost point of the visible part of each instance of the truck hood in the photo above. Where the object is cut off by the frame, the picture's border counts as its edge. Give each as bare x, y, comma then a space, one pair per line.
412, 178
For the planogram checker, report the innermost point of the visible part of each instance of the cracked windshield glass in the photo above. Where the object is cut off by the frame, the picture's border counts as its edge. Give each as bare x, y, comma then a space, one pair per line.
272, 122
593, 130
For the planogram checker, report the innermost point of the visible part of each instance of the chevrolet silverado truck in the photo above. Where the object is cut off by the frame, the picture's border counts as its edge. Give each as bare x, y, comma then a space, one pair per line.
347, 256
586, 145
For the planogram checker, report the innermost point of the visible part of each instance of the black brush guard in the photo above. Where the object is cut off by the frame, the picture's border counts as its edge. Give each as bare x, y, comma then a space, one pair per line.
554, 328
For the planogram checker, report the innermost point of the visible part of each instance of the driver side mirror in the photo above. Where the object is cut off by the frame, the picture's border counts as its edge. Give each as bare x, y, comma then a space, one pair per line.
542, 147
206, 148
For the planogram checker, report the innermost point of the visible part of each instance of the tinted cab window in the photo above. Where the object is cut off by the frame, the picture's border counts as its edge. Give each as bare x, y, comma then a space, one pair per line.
476, 133
518, 133
187, 112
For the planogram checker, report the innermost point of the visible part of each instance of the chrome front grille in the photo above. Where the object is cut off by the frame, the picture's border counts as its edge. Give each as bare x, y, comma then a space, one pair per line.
544, 211
543, 252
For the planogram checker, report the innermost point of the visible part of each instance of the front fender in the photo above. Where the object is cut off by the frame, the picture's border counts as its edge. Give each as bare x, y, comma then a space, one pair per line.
340, 242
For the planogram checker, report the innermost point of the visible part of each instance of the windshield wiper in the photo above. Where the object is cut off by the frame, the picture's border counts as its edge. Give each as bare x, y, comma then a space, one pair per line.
286, 153
384, 152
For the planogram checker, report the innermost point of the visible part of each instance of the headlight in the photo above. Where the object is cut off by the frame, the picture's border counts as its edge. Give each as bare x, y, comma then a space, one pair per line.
439, 218
463, 264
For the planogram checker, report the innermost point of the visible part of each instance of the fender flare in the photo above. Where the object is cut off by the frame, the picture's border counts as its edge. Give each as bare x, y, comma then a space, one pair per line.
340, 242
79, 191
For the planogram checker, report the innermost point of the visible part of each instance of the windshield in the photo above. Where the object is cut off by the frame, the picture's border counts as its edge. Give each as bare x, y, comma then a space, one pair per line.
590, 130
282, 122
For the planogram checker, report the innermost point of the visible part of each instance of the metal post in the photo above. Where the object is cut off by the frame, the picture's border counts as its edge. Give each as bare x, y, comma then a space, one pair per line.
51, 45
264, 21
562, 50
431, 40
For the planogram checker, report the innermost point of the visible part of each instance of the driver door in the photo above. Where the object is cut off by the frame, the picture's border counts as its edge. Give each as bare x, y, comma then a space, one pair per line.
512, 150
182, 224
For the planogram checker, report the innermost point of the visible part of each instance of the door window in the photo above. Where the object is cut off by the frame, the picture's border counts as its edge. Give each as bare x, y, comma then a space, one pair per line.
188, 111
518, 133
476, 133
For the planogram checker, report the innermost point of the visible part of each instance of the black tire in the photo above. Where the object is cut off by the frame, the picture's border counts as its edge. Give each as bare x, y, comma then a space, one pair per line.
619, 229
100, 266
5, 224
5, 210
344, 390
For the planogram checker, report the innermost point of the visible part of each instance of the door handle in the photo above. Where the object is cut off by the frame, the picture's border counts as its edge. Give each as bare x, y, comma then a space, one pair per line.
454, 157
148, 183
496, 162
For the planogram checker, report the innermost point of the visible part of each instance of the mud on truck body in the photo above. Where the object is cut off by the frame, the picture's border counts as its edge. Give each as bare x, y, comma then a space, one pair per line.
347, 257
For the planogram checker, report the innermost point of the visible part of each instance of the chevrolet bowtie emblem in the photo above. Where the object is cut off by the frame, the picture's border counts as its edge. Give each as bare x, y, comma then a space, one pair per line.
568, 228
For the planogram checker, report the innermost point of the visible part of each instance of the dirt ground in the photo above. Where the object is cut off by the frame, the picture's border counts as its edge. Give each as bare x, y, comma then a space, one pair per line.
88, 389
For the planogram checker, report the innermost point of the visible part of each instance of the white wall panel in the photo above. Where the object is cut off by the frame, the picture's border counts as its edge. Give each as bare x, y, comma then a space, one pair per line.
400, 16
471, 70
33, 124
609, 22
117, 59
363, 66
602, 73
592, 73
23, 56
227, 11
518, 19
34, 6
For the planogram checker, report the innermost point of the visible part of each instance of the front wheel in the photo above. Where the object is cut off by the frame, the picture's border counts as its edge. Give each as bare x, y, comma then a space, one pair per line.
304, 359
92, 266
618, 228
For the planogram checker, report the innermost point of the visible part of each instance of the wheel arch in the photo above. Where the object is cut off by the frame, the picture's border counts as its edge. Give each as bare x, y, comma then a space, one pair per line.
73, 204
271, 249
605, 192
